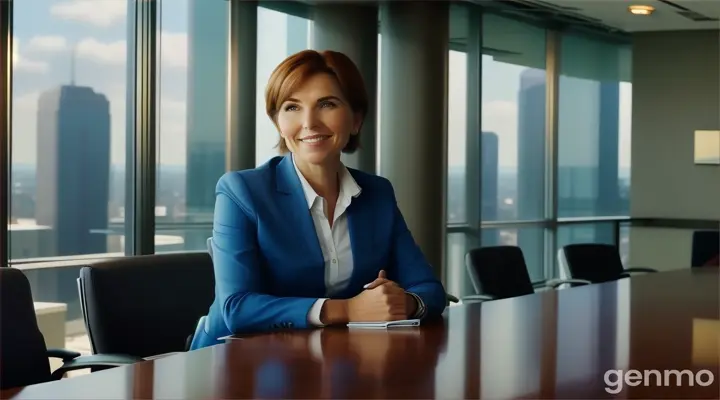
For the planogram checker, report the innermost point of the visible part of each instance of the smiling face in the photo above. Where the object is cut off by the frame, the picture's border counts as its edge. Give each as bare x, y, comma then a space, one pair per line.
316, 120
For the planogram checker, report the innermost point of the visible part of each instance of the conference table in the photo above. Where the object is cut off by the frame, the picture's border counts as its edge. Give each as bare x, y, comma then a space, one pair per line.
649, 336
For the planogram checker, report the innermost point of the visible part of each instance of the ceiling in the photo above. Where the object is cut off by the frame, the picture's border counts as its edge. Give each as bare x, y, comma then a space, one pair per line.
668, 15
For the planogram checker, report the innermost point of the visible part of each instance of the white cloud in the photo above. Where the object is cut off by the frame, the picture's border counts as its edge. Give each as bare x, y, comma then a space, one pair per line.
102, 13
174, 50
47, 43
113, 53
24, 64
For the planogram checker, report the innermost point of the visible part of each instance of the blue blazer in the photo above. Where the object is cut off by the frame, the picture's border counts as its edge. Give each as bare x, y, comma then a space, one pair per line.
269, 267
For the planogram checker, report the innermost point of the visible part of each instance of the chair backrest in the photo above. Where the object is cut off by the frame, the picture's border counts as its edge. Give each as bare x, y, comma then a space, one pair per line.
209, 243
705, 248
499, 271
146, 305
23, 354
593, 262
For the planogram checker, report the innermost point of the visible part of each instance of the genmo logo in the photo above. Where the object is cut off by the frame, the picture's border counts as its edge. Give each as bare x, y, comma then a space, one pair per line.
616, 379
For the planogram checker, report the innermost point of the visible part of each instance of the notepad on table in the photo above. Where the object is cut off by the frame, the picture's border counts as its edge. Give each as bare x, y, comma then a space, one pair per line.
405, 323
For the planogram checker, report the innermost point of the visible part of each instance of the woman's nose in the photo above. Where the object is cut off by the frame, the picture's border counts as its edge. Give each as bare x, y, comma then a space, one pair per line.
310, 120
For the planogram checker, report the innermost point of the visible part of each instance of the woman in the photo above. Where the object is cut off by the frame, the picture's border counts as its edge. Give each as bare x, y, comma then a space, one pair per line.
303, 241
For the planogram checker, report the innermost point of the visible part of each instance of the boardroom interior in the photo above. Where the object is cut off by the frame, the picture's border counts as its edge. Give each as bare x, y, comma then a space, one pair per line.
500, 123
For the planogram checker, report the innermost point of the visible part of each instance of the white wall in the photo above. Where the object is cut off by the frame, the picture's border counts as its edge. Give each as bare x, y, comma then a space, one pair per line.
676, 90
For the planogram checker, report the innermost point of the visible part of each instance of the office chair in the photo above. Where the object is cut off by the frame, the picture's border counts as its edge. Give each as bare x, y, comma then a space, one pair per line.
500, 272
594, 262
706, 248
24, 357
450, 298
146, 306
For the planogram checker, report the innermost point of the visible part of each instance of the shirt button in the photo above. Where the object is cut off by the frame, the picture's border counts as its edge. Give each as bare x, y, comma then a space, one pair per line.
334, 261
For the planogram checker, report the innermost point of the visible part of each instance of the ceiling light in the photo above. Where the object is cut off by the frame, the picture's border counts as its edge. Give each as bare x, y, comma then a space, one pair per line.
641, 10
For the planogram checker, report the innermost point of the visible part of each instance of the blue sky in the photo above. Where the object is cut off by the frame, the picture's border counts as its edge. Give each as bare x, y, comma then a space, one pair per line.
47, 30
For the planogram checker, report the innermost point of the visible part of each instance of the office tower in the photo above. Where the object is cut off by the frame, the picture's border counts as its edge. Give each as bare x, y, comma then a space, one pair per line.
531, 160
206, 113
206, 104
73, 168
489, 187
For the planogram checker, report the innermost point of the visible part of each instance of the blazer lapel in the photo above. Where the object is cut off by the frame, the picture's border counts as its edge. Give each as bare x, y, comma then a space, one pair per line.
360, 224
296, 212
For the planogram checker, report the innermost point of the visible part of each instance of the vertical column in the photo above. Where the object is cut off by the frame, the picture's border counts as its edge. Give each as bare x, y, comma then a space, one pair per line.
242, 60
414, 62
352, 29
144, 135
6, 52
553, 43
477, 167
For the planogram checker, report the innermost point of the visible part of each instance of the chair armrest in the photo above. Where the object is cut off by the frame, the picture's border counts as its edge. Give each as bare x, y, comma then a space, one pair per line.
638, 269
477, 298
554, 283
96, 360
452, 298
63, 354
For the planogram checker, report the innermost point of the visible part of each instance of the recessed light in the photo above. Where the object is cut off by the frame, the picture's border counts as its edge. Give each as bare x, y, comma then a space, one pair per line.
641, 10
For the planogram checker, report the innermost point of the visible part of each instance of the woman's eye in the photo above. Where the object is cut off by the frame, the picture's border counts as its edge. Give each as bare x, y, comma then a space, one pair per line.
290, 107
327, 104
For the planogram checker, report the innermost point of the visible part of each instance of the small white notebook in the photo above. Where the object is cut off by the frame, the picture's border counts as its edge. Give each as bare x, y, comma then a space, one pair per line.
405, 323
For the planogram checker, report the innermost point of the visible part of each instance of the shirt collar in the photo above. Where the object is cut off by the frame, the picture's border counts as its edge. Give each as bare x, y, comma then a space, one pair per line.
348, 186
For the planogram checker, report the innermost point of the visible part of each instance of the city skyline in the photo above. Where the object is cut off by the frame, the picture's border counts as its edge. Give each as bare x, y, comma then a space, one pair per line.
98, 33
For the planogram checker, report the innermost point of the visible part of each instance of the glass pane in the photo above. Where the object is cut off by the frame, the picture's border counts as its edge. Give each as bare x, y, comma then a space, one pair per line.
279, 35
458, 281
531, 241
513, 120
457, 116
69, 142
457, 127
191, 130
594, 128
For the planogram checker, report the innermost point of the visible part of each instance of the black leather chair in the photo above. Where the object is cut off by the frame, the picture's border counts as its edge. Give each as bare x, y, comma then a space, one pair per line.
706, 248
24, 358
500, 272
594, 262
146, 306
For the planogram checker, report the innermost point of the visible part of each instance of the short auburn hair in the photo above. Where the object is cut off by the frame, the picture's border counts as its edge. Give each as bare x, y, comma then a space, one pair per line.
297, 68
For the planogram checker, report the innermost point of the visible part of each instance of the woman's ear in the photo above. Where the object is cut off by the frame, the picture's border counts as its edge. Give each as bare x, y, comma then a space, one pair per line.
357, 123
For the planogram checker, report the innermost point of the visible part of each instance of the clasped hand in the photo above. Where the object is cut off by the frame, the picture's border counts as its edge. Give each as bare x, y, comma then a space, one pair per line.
382, 300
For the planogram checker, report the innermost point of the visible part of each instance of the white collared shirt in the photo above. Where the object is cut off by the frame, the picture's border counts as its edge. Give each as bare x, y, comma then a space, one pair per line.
335, 241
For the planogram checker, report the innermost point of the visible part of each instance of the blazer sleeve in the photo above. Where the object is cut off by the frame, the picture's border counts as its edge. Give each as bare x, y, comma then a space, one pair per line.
238, 279
410, 268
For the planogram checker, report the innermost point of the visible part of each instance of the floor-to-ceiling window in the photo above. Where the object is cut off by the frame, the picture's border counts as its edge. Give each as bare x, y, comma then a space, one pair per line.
542, 155
69, 137
514, 136
594, 122
191, 134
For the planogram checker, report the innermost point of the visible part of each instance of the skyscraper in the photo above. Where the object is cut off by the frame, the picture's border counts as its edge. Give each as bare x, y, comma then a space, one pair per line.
206, 105
206, 113
531, 163
73, 168
489, 182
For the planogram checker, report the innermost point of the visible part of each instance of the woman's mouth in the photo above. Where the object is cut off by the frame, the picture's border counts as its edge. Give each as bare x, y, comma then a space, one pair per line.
314, 138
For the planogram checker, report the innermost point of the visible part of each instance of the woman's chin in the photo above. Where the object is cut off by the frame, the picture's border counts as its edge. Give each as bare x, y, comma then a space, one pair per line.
316, 156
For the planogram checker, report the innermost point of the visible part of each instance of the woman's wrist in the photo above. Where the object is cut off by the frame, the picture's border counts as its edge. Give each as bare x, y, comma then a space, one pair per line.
334, 312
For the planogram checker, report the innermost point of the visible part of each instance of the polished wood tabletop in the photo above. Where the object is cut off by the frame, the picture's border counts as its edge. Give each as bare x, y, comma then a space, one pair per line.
578, 343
